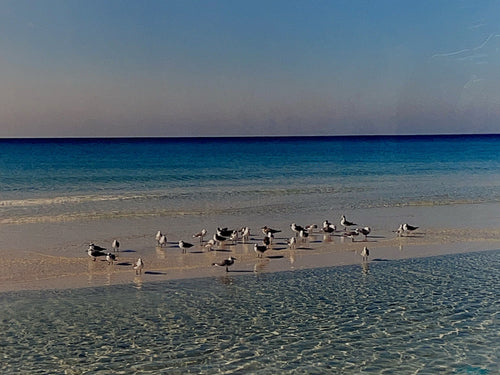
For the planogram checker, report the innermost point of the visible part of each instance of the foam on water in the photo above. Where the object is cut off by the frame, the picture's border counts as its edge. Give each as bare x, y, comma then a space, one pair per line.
418, 316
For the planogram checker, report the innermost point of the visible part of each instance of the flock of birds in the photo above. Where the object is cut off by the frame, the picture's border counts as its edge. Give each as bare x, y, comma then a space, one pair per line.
224, 235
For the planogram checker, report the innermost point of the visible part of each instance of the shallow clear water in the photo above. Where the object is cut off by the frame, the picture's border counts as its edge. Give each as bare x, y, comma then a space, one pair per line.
418, 316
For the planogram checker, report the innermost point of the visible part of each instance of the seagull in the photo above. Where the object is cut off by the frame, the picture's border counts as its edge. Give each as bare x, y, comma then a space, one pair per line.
303, 235
225, 263
267, 230
234, 237
115, 245
270, 238
296, 228
267, 241
138, 266
219, 239
351, 234
224, 232
292, 242
346, 223
185, 245
158, 236
162, 241
110, 258
95, 247
365, 253
210, 245
200, 235
93, 253
365, 231
259, 249
311, 227
406, 228
245, 234
329, 228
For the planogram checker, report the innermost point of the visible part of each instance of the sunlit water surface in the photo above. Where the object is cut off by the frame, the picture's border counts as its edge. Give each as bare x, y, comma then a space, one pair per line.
417, 316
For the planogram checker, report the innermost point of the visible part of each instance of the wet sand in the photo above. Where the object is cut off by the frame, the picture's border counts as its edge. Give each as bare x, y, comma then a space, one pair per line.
27, 269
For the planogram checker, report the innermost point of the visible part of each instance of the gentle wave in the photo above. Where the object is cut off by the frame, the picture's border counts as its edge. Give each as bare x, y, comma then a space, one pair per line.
262, 209
78, 199
32, 202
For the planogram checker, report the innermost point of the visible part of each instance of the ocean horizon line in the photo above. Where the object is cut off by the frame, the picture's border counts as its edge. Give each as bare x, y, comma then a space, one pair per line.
254, 137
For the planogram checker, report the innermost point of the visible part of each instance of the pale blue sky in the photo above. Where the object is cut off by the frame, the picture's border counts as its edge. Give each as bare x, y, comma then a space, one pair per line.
199, 68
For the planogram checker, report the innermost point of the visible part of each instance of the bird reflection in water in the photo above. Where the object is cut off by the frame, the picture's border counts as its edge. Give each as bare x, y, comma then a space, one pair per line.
138, 282
365, 268
226, 280
261, 266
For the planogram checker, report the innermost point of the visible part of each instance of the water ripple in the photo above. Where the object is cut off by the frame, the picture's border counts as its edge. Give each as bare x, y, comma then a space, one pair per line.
416, 316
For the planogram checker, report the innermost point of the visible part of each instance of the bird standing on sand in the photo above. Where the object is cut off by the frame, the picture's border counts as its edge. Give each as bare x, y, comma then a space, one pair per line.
163, 241
138, 266
303, 234
260, 249
234, 237
403, 228
329, 228
268, 239
96, 247
158, 236
225, 263
267, 230
115, 245
185, 245
345, 223
292, 242
351, 234
200, 235
311, 227
94, 253
219, 239
365, 253
245, 234
364, 231
296, 228
110, 258
210, 245
224, 232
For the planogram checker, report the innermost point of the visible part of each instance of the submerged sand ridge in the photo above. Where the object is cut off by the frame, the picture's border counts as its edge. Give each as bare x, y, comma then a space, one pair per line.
49, 270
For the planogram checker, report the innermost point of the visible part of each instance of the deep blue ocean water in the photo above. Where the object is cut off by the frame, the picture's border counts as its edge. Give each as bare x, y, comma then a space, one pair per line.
67, 179
435, 315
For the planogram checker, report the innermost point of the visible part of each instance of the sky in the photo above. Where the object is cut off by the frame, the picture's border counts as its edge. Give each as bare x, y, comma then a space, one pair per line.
234, 68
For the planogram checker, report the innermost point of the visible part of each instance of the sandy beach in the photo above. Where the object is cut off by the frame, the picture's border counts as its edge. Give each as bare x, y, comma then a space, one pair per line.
32, 269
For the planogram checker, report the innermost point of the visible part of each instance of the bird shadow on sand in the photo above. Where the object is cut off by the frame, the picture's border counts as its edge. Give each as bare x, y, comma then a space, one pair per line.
275, 256
128, 251
380, 260
415, 235
154, 273
124, 264
240, 271
196, 252
224, 250
303, 248
279, 248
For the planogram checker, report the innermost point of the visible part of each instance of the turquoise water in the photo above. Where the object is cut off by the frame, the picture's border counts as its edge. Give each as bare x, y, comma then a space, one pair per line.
418, 316
77, 179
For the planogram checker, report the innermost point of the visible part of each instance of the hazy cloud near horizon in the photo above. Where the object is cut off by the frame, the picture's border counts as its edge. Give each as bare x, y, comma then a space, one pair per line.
192, 68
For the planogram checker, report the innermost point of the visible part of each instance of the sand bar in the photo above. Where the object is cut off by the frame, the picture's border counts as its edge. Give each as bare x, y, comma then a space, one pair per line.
33, 270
